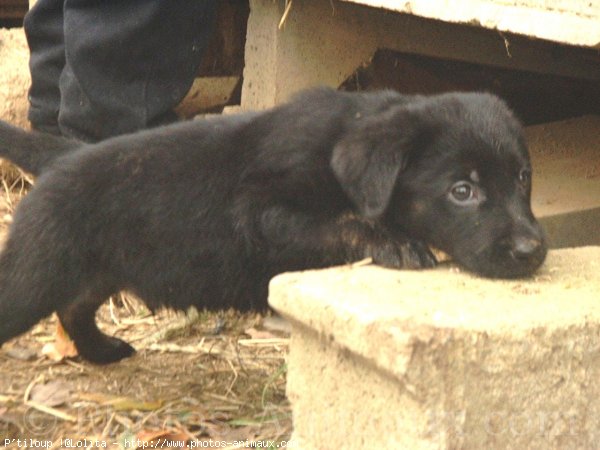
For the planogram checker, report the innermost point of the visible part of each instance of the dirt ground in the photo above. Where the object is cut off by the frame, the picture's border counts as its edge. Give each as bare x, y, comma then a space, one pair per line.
196, 377
191, 381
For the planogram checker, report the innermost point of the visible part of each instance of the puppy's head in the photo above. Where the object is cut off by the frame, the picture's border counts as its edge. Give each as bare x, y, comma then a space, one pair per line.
451, 170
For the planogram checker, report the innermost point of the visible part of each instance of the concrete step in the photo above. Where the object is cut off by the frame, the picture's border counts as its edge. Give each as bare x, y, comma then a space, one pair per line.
442, 359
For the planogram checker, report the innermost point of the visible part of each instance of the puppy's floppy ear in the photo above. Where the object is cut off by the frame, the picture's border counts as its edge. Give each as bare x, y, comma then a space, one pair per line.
371, 154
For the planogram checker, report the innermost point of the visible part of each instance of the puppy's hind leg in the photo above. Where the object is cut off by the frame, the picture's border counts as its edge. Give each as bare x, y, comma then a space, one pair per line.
28, 296
79, 321
41, 272
29, 291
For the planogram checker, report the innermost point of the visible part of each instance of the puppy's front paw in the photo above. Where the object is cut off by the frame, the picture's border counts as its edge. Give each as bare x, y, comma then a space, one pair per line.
386, 255
417, 255
410, 254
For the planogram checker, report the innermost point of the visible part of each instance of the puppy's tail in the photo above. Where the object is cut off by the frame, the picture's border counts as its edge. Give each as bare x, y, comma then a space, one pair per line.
32, 151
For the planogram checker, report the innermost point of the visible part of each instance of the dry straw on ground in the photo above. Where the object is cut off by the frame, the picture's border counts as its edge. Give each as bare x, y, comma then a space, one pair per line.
212, 377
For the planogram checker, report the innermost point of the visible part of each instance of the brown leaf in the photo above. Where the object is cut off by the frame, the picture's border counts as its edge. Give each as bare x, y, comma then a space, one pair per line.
53, 393
21, 353
64, 344
62, 347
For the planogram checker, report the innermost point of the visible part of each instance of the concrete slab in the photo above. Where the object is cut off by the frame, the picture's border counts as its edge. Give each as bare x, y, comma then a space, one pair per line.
442, 359
565, 21
323, 42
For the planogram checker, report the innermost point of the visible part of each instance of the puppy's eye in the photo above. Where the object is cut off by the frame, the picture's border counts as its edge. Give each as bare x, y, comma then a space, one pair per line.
462, 192
525, 176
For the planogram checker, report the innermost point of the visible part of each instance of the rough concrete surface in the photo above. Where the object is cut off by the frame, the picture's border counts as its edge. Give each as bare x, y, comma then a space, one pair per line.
403, 359
572, 22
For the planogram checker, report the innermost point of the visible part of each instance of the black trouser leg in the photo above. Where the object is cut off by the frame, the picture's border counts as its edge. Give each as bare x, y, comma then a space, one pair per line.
127, 62
44, 30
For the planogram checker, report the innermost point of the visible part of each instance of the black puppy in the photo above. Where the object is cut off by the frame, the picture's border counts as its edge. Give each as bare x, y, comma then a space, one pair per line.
204, 213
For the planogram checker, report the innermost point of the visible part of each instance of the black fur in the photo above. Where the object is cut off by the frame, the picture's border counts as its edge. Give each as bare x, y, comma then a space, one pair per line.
204, 213
33, 151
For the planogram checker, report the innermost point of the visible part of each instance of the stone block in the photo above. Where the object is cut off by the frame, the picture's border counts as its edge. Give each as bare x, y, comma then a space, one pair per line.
442, 359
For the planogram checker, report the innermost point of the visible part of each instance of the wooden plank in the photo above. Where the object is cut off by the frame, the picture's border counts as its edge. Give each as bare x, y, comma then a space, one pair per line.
13, 9
12, 12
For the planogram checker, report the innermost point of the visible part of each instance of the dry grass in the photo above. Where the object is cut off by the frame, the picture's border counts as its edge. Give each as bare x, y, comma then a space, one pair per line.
196, 377
15, 184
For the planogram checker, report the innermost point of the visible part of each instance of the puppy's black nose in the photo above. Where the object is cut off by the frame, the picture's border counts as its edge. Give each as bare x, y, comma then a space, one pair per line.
526, 247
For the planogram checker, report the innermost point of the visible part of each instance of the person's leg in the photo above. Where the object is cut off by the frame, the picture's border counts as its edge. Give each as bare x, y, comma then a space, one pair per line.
44, 30
128, 63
